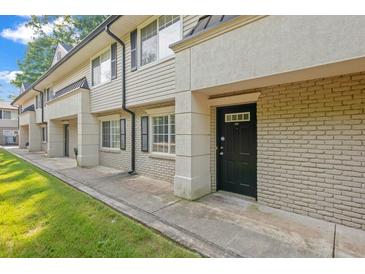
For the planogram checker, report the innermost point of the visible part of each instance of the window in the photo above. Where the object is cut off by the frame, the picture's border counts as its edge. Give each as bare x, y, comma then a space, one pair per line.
144, 133
133, 50
6, 114
122, 134
1, 114
114, 60
163, 134
149, 43
14, 115
157, 36
101, 68
169, 32
48, 95
110, 134
44, 134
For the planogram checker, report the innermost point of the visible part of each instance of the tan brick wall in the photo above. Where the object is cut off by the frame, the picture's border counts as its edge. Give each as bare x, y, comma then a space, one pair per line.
162, 169
311, 148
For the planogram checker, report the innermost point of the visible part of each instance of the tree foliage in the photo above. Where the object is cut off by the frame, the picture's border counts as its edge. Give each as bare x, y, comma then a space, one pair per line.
49, 31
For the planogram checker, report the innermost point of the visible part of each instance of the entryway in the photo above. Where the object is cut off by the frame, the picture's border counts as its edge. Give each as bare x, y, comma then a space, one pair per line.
237, 149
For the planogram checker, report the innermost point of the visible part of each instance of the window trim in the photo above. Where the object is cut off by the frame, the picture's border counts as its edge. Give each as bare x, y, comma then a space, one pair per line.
150, 132
139, 45
109, 47
3, 114
109, 119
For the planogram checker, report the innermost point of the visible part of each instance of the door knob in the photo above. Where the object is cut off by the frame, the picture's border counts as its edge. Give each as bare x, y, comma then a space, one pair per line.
221, 153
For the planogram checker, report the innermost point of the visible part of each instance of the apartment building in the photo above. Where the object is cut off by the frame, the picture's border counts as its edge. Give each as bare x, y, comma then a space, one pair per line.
269, 107
8, 124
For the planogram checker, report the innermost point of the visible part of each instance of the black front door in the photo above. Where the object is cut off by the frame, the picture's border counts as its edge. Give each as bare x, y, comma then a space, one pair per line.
237, 149
66, 132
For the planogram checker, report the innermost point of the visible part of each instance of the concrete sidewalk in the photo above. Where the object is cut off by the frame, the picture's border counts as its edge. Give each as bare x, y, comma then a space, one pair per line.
218, 225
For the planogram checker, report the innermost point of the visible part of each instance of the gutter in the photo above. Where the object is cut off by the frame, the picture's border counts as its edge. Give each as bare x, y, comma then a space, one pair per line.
133, 115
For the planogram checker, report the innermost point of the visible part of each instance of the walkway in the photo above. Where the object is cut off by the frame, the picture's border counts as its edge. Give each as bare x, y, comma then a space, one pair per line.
218, 225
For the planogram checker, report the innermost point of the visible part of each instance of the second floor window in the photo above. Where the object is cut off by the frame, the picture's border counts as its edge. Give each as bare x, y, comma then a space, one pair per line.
158, 36
101, 69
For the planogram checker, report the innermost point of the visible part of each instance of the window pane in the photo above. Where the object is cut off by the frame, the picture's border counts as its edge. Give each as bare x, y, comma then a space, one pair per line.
105, 67
134, 50
6, 114
170, 32
14, 115
106, 134
149, 43
160, 134
115, 137
96, 71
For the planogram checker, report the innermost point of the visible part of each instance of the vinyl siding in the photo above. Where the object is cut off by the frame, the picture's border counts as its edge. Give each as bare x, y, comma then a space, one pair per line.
149, 84
189, 22
107, 96
76, 74
156, 82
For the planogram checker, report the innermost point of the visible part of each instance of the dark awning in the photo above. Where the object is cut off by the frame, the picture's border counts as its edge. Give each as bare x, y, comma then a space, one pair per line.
28, 108
209, 21
82, 83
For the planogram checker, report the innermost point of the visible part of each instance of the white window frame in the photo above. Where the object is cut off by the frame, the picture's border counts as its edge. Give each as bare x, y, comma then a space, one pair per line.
169, 134
139, 43
108, 48
3, 114
109, 119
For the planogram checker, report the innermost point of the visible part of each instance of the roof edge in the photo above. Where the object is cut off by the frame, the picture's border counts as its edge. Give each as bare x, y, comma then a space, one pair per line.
214, 31
99, 29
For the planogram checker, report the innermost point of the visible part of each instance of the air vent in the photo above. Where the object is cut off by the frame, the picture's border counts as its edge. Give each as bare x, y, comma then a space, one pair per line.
237, 117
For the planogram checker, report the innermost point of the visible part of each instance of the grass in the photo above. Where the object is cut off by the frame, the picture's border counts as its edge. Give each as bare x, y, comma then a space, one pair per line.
40, 216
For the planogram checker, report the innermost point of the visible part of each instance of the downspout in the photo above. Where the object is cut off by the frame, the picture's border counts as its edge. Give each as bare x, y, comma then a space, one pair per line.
133, 115
41, 93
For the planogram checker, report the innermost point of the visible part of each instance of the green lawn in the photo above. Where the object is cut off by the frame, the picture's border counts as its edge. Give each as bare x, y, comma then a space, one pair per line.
40, 216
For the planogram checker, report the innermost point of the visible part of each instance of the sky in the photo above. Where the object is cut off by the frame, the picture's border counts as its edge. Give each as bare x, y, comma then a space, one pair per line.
14, 36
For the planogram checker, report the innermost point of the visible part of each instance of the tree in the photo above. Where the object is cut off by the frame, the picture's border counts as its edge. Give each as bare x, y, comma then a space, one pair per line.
49, 31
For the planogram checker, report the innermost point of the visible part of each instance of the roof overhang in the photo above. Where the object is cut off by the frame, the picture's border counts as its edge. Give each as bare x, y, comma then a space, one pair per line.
82, 52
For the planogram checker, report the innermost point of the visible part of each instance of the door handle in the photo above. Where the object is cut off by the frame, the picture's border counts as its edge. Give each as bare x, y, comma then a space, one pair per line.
221, 153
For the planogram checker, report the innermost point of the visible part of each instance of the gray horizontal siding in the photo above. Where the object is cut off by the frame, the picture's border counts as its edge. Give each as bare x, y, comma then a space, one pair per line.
155, 82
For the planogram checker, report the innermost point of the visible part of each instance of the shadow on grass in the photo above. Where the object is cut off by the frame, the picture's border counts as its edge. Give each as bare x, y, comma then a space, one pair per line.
46, 218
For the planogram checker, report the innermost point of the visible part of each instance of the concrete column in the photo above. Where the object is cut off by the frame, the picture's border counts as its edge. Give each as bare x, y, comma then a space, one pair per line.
23, 136
35, 137
192, 176
55, 145
87, 139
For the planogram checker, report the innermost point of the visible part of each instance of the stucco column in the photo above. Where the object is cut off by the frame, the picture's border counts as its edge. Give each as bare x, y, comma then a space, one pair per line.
35, 141
192, 176
55, 145
87, 139
23, 136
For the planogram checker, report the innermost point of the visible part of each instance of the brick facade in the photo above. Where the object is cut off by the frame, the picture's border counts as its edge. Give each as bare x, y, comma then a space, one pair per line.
157, 168
311, 148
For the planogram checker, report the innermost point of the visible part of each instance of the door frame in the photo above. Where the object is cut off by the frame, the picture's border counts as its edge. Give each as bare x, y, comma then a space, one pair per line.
66, 129
218, 159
